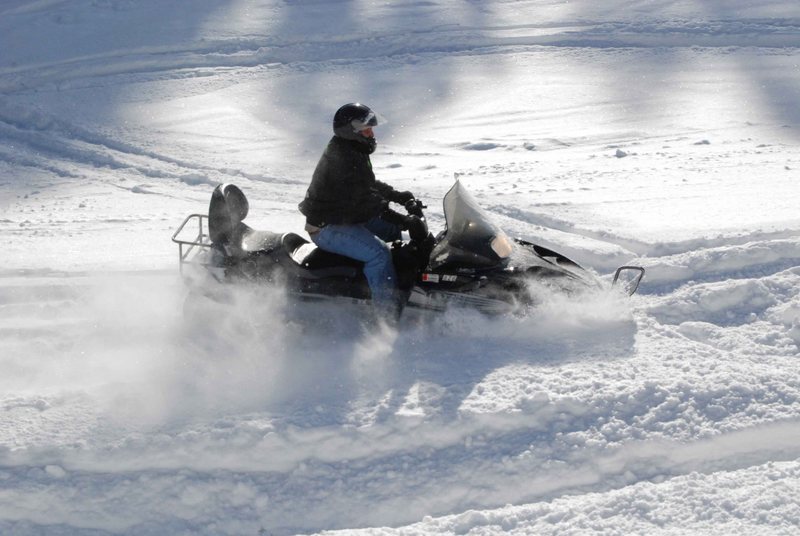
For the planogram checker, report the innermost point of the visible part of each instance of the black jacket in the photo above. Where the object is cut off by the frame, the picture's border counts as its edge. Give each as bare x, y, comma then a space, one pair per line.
343, 189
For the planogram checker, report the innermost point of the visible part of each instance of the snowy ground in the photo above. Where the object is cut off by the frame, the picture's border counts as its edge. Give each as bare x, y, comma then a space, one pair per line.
656, 133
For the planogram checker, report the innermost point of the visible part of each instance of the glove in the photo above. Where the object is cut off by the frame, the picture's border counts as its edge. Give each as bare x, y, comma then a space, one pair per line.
402, 197
393, 217
417, 228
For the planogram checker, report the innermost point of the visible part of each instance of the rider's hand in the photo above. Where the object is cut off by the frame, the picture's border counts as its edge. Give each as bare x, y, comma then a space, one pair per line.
417, 229
402, 197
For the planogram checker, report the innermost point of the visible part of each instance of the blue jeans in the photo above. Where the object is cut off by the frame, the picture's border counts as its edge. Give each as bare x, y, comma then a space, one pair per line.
366, 242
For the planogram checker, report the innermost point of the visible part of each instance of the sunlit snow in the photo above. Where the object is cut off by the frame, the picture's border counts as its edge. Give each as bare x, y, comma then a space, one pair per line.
663, 134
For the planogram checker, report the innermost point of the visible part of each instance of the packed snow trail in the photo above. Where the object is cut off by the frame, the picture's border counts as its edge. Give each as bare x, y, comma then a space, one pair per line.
363, 436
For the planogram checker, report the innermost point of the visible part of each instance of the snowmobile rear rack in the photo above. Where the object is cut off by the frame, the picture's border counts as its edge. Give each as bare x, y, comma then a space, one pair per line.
201, 241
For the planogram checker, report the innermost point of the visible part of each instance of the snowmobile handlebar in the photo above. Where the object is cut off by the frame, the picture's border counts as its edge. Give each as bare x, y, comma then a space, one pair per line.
417, 225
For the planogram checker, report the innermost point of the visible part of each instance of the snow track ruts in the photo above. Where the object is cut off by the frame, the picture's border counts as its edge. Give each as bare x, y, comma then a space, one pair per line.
248, 53
564, 419
628, 132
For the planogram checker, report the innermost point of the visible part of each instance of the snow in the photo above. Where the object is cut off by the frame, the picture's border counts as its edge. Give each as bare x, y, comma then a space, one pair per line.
661, 134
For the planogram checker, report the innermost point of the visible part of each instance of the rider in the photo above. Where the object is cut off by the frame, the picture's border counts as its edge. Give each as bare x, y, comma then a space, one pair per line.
346, 208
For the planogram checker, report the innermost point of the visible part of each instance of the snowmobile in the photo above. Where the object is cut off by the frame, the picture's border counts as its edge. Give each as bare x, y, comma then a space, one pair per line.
471, 263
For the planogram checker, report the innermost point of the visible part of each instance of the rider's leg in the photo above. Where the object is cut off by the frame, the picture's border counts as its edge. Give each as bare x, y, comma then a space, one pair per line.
358, 242
388, 232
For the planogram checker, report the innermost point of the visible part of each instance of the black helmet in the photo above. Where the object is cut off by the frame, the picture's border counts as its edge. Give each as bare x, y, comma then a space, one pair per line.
354, 117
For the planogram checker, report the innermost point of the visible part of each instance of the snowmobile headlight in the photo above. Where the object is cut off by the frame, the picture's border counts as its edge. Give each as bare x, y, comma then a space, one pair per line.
502, 246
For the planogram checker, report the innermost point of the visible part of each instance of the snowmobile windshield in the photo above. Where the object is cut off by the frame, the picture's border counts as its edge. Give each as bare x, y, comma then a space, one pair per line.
471, 239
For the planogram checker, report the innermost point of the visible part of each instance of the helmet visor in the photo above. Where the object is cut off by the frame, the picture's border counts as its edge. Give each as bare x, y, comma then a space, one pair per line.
371, 120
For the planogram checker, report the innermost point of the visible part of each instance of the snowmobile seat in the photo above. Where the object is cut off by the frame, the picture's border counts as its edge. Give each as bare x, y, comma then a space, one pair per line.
317, 262
247, 241
227, 210
226, 229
